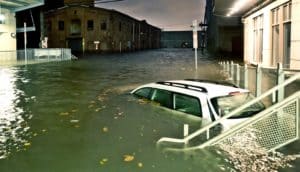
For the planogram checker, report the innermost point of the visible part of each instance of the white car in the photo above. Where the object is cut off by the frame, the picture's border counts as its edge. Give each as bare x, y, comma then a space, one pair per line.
208, 100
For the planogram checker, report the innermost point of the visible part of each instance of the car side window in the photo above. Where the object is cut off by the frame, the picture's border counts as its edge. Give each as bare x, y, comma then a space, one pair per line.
143, 93
187, 104
163, 97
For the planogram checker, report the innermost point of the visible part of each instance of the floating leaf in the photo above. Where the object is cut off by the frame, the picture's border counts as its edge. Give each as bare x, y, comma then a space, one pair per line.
140, 164
64, 114
105, 129
103, 161
74, 110
27, 144
74, 121
128, 158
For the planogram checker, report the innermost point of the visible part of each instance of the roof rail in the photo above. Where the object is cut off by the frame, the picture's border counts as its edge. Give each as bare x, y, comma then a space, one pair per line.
185, 86
226, 83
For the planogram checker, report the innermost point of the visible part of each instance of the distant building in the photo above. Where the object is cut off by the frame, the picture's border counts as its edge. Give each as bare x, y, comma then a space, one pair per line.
88, 28
177, 39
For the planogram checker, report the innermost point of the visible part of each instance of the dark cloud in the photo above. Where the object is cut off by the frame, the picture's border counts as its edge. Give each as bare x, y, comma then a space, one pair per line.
166, 14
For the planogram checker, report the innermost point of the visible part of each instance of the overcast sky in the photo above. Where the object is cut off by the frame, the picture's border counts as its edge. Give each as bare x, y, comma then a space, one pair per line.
166, 14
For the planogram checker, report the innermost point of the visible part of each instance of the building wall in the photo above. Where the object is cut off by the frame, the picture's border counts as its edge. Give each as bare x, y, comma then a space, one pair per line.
295, 37
267, 51
224, 36
177, 39
8, 43
121, 33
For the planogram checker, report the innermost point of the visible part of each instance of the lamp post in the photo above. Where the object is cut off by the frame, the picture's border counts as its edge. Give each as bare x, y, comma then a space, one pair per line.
195, 41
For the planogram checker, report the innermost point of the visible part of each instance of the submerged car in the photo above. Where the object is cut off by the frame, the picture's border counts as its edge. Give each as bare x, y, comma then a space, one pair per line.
208, 100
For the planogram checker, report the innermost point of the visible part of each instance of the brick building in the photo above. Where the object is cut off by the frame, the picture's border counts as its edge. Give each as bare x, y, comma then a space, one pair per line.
84, 27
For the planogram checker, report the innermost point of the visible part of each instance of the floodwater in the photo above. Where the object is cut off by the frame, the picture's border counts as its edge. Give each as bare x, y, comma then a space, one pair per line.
78, 116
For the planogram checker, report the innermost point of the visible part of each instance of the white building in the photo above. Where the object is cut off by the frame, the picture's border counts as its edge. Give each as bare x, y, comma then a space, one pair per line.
272, 34
8, 8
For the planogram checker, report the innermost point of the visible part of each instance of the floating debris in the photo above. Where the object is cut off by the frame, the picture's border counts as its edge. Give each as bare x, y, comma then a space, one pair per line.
140, 164
74, 121
98, 109
105, 129
64, 114
128, 158
103, 161
246, 154
74, 110
27, 144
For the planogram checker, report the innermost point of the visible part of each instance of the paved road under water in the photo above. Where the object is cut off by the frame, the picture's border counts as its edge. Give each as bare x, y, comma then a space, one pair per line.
79, 116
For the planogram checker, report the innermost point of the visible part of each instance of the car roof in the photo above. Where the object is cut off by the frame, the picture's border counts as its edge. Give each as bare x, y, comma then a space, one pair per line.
196, 87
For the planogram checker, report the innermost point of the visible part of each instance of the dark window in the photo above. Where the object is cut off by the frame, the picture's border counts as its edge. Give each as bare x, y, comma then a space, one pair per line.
75, 28
120, 26
49, 26
163, 97
103, 26
90, 25
187, 104
143, 93
61, 25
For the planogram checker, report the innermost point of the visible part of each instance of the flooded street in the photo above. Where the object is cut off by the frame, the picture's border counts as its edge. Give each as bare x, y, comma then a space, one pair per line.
78, 116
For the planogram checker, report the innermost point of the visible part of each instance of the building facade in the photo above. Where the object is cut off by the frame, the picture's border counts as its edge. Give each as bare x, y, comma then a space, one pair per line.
271, 32
177, 39
91, 29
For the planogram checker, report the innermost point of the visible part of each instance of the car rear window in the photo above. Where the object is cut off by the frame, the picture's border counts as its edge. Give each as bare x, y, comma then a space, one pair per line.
226, 104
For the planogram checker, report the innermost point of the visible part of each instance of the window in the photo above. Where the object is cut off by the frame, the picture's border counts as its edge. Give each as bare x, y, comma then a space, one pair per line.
275, 36
143, 93
90, 25
187, 104
61, 25
225, 105
287, 34
75, 28
120, 26
281, 34
163, 97
103, 25
258, 39
49, 26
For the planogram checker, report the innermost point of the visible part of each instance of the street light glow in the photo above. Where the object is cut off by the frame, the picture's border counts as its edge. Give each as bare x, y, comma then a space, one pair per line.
237, 6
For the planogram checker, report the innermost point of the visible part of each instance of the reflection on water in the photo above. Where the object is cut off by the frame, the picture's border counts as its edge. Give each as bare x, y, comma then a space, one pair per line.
82, 117
13, 127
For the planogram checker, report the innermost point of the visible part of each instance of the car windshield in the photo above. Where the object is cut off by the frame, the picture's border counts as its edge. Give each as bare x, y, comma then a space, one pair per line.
226, 104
